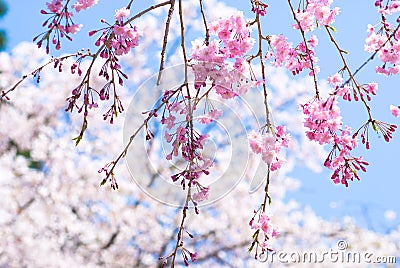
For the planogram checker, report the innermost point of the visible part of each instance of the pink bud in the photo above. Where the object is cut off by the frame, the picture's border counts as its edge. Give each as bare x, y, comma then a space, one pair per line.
91, 33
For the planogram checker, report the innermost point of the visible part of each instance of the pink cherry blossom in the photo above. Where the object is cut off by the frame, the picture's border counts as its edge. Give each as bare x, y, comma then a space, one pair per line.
316, 10
335, 80
295, 59
210, 116
213, 60
395, 110
121, 13
269, 145
202, 195
384, 43
54, 6
84, 4
261, 221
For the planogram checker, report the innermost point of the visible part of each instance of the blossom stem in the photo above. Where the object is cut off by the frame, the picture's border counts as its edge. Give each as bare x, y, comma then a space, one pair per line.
307, 49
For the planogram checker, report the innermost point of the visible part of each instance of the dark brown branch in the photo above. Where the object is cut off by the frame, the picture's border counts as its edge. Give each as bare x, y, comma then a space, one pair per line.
260, 55
111, 240
207, 37
165, 41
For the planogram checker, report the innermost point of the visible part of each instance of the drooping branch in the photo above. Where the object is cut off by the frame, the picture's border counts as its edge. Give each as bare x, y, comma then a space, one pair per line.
165, 41
308, 51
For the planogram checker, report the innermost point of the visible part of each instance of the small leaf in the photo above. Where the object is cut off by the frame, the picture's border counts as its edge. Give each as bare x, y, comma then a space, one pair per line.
375, 127
103, 182
251, 247
77, 140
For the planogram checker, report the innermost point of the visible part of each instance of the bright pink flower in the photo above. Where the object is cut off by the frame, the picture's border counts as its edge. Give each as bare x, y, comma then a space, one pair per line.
265, 225
212, 61
255, 141
168, 137
335, 80
73, 28
269, 146
316, 10
210, 117
83, 4
54, 6
313, 41
395, 110
169, 121
119, 30
294, 59
277, 164
122, 13
194, 256
372, 87
202, 195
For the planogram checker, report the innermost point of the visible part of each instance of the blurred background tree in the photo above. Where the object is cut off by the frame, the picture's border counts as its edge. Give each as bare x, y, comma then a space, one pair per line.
3, 35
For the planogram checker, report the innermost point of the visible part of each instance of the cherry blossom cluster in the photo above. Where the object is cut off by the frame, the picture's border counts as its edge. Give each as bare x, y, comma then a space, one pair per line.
384, 39
391, 7
211, 60
324, 124
187, 143
84, 4
104, 94
60, 23
209, 117
316, 13
118, 38
357, 91
265, 231
115, 40
259, 7
295, 59
269, 145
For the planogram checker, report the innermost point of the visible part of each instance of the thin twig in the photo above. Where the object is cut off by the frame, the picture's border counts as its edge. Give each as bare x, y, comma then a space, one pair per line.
266, 191
179, 240
351, 76
151, 8
164, 47
130, 4
132, 137
260, 55
34, 72
307, 49
207, 37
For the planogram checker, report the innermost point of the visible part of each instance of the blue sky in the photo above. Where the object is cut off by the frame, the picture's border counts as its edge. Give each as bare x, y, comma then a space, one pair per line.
378, 189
